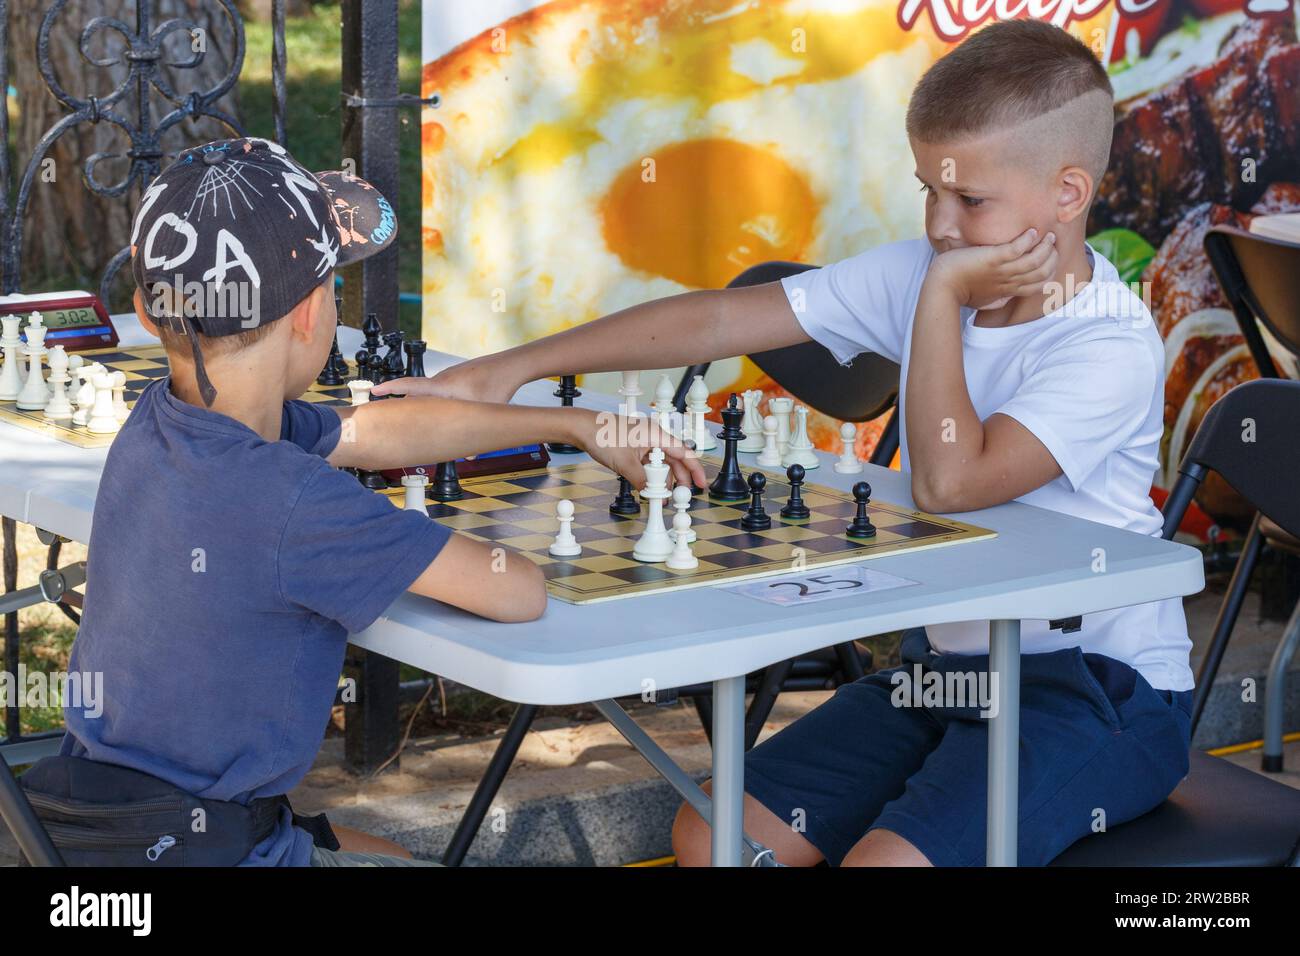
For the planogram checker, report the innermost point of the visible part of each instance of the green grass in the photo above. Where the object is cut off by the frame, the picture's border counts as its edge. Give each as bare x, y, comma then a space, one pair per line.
313, 124
44, 648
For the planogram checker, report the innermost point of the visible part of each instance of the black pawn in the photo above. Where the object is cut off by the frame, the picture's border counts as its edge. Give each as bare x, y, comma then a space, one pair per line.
729, 484
624, 502
566, 393
329, 375
756, 519
375, 368
795, 509
861, 526
415, 358
372, 479
372, 331
446, 483
362, 358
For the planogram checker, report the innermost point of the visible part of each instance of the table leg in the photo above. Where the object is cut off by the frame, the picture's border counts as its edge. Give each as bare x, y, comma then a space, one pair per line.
1004, 744
728, 771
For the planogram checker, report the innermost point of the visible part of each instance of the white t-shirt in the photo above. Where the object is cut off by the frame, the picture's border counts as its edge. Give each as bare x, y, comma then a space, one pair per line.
1087, 380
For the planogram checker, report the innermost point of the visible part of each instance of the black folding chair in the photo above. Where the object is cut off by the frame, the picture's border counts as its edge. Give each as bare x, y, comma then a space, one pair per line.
33, 840
858, 393
1222, 814
1261, 279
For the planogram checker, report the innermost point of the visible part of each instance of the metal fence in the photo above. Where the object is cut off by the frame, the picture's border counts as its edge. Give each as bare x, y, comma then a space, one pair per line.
368, 135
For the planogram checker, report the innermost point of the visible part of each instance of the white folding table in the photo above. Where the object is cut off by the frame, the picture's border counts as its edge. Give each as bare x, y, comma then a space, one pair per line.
1040, 566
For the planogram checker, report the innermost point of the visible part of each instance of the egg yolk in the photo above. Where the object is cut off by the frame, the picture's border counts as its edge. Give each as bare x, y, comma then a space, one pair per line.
702, 211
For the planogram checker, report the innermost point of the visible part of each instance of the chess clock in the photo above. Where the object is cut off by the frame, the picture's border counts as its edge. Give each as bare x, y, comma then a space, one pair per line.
76, 320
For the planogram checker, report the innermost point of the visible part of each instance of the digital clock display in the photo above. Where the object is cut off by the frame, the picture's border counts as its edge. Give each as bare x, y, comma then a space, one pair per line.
79, 317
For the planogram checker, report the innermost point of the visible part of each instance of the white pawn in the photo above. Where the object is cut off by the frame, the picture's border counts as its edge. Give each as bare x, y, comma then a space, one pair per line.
120, 408
682, 503
360, 389
630, 390
698, 406
848, 463
770, 456
800, 450
682, 559
663, 403
75, 363
781, 408
565, 544
752, 426
58, 409
103, 421
414, 496
654, 544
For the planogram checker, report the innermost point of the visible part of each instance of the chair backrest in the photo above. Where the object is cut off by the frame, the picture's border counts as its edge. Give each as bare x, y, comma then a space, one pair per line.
810, 373
1260, 277
1251, 436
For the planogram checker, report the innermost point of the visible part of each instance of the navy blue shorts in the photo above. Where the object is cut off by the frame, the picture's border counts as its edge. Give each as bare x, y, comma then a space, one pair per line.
1098, 746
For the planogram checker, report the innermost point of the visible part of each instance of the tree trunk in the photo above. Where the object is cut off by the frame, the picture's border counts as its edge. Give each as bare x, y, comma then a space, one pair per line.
70, 232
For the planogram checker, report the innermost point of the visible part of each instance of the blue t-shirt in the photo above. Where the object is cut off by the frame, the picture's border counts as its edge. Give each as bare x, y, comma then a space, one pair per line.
224, 575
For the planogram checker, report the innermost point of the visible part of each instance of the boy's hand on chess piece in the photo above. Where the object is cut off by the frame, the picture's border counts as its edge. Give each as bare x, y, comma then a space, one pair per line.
988, 277
470, 381
623, 444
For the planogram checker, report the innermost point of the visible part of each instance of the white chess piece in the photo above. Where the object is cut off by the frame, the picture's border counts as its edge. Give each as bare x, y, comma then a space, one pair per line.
682, 504
75, 363
85, 398
800, 449
770, 456
413, 500
682, 558
848, 463
654, 544
565, 544
102, 419
360, 389
58, 409
35, 394
663, 404
752, 425
120, 408
630, 390
781, 408
698, 406
11, 377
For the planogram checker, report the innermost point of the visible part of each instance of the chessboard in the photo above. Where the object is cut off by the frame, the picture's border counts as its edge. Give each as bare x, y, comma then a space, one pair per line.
518, 510
141, 365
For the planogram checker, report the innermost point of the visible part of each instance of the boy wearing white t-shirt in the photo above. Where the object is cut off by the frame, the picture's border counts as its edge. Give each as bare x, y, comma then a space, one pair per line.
1029, 372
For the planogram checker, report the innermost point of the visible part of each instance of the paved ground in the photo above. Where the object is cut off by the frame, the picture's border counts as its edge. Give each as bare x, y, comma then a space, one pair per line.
579, 795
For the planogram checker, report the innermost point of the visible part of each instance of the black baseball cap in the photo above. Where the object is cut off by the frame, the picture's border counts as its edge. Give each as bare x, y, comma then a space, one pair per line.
236, 232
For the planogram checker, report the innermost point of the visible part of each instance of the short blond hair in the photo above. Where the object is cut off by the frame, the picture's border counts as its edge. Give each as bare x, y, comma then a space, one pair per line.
1008, 73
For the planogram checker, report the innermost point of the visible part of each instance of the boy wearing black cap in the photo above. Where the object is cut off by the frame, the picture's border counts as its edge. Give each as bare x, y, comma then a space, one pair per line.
230, 558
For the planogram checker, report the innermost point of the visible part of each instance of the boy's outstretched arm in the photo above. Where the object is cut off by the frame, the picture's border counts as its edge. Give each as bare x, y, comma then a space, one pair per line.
960, 463
421, 430
490, 581
680, 330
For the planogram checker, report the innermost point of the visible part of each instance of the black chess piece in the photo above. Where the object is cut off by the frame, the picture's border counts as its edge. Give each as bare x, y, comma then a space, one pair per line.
624, 502
372, 479
394, 366
729, 484
566, 393
795, 509
415, 358
375, 367
329, 375
362, 358
446, 483
861, 526
340, 363
756, 519
372, 331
